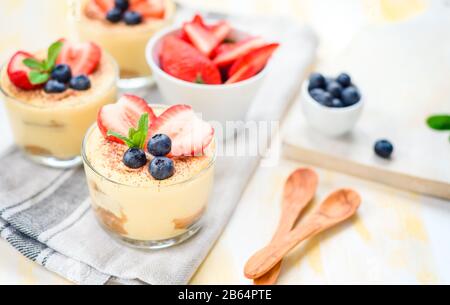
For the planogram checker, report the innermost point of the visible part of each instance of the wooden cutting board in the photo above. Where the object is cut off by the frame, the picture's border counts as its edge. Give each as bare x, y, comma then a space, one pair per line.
403, 71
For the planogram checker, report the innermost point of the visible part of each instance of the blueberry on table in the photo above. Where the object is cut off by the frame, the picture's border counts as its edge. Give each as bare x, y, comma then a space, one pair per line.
62, 73
122, 4
384, 148
132, 18
335, 89
159, 145
134, 158
350, 96
161, 168
53, 86
316, 80
344, 79
80, 83
114, 15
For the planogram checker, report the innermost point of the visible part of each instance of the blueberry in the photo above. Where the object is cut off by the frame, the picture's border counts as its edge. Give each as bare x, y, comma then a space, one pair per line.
344, 79
326, 99
321, 96
350, 96
53, 86
328, 80
114, 15
132, 18
134, 158
316, 80
315, 93
161, 168
159, 145
80, 82
122, 4
337, 103
62, 73
335, 89
383, 148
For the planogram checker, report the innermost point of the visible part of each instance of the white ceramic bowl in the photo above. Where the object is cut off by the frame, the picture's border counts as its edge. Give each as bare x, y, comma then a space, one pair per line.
328, 120
219, 103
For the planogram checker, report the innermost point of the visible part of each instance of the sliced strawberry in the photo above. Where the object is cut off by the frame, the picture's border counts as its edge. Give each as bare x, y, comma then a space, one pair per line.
18, 72
122, 116
240, 49
83, 58
104, 5
222, 48
148, 8
203, 39
183, 36
189, 134
181, 60
94, 11
251, 64
198, 19
221, 30
203, 36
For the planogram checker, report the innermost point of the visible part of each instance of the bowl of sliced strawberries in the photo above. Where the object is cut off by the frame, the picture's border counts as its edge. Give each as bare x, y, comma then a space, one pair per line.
216, 68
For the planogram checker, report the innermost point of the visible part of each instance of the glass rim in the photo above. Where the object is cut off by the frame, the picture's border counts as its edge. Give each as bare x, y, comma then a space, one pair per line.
194, 177
113, 83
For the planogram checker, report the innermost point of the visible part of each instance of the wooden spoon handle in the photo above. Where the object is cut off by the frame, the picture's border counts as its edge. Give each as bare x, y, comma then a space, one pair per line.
268, 257
288, 218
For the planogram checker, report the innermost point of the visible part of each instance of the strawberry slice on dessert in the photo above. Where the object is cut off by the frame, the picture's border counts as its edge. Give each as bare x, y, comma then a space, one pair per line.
189, 134
103, 5
83, 58
181, 60
238, 50
148, 8
18, 72
122, 116
251, 64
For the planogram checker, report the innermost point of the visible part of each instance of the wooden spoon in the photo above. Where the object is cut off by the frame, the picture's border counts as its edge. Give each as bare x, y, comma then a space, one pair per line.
338, 207
299, 190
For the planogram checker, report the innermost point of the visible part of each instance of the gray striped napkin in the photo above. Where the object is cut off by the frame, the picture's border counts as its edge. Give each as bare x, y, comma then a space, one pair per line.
45, 213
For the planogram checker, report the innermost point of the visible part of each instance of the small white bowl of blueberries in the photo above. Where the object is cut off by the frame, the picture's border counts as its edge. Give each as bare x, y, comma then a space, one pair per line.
331, 105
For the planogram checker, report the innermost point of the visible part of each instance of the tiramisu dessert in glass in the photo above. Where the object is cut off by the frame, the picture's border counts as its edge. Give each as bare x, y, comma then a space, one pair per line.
53, 96
123, 28
150, 171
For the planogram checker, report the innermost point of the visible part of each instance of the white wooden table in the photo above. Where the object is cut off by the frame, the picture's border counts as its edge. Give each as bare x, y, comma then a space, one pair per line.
398, 237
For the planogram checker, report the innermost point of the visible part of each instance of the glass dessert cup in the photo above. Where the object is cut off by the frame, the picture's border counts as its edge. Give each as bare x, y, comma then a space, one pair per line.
125, 43
156, 215
51, 134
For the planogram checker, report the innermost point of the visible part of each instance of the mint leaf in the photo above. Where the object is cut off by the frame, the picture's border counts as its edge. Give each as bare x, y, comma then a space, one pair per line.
37, 77
136, 137
439, 122
143, 129
119, 136
53, 52
33, 64
137, 140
